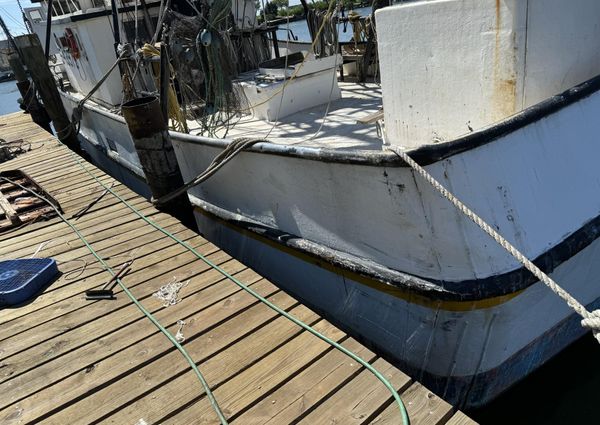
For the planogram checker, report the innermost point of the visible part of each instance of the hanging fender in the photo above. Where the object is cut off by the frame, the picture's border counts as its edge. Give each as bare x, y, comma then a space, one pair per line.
72, 43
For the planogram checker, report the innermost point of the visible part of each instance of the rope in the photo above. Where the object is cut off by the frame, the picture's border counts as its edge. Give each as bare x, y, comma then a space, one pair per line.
179, 335
125, 289
326, 19
333, 81
235, 147
42, 246
78, 110
169, 293
161, 17
308, 328
174, 111
591, 320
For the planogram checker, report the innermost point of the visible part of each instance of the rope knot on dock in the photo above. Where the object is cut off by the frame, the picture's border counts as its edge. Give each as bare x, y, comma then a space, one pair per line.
592, 322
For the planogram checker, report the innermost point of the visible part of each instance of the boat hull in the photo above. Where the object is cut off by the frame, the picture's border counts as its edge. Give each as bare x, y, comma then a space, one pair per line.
537, 185
358, 237
106, 140
468, 353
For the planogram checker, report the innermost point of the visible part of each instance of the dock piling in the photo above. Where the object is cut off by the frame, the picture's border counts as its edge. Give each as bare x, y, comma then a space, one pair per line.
30, 102
150, 135
35, 60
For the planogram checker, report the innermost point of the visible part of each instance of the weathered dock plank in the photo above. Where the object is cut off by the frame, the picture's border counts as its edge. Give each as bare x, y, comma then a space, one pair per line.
65, 359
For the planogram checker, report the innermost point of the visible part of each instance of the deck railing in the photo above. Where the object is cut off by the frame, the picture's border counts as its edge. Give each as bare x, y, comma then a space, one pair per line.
65, 7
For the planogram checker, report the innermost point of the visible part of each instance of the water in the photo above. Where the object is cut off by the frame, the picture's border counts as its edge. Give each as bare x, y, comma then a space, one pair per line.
300, 28
8, 97
563, 391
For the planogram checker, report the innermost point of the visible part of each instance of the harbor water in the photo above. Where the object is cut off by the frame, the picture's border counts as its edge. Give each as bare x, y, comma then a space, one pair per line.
9, 94
563, 391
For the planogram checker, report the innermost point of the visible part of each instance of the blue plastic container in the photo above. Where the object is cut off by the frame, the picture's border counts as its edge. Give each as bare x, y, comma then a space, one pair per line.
20, 280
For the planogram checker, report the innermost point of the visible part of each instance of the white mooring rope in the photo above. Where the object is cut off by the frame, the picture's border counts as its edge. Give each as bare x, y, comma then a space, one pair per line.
591, 320
169, 293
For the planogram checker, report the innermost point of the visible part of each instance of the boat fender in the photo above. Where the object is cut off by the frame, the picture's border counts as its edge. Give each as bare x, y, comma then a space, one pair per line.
73, 45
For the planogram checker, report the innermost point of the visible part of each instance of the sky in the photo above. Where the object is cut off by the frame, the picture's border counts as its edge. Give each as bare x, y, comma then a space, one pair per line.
9, 9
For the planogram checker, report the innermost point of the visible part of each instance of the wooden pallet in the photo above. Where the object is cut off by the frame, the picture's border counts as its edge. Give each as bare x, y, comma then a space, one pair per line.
17, 205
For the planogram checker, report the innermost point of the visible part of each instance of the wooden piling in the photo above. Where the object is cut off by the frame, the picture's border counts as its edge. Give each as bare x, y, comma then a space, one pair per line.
34, 59
150, 136
30, 102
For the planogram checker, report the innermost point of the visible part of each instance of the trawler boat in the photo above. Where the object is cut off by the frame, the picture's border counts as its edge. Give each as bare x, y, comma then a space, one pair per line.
497, 99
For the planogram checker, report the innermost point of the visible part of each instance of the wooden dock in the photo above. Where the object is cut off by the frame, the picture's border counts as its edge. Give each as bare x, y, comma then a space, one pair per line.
67, 360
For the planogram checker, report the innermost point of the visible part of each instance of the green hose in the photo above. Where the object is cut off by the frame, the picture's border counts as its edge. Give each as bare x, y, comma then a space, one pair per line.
149, 315
401, 407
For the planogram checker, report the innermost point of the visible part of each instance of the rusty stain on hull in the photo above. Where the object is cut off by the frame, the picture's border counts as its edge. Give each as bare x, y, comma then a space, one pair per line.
505, 89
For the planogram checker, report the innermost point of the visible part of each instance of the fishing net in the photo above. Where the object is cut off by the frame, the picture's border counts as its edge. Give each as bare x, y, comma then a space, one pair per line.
206, 51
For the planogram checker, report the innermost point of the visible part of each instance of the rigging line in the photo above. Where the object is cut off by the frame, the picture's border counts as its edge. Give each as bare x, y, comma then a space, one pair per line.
193, 6
48, 29
308, 328
333, 80
110, 24
287, 55
15, 21
262, 2
164, 6
135, 40
137, 303
301, 64
20, 7
334, 77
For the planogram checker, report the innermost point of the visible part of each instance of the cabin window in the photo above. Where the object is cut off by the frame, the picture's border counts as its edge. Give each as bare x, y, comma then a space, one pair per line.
64, 7
35, 16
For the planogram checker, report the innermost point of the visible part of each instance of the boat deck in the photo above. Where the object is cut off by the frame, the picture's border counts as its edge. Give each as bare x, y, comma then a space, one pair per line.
67, 360
333, 128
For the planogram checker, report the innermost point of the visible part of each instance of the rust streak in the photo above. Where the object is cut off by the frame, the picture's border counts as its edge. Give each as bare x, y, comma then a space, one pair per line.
504, 88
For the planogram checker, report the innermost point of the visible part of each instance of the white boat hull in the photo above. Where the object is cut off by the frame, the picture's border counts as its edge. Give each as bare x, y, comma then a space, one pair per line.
468, 353
522, 183
357, 236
